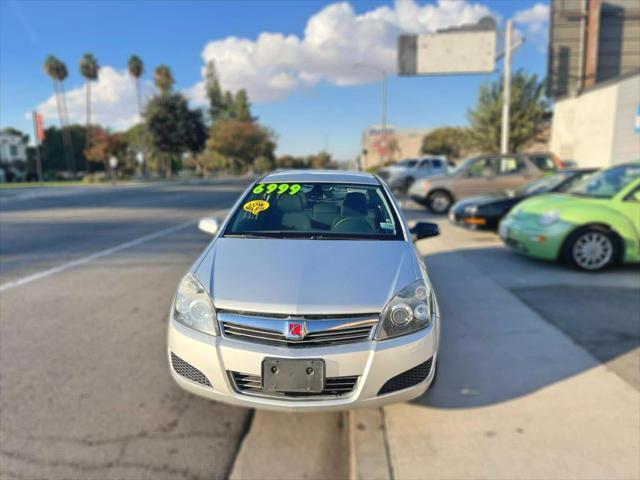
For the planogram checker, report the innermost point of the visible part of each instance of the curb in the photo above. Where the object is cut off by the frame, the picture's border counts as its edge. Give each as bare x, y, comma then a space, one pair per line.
369, 457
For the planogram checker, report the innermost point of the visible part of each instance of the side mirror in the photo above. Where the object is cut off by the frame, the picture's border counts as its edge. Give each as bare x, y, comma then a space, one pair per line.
425, 230
636, 195
209, 225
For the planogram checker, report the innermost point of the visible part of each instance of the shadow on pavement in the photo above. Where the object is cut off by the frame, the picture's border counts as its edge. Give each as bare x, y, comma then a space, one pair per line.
494, 346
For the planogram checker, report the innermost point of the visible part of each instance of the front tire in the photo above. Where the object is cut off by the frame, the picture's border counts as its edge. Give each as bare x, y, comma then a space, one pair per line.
591, 249
439, 202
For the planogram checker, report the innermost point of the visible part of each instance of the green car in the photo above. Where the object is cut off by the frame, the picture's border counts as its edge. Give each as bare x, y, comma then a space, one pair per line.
594, 225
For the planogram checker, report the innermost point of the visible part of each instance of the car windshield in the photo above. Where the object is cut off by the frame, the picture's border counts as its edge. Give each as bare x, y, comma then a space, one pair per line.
332, 211
543, 184
607, 183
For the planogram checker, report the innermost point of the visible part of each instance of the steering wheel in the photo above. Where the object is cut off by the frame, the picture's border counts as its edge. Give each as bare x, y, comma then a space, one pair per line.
353, 225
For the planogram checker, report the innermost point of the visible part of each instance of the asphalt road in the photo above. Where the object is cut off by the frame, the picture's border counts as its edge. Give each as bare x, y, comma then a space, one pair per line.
85, 390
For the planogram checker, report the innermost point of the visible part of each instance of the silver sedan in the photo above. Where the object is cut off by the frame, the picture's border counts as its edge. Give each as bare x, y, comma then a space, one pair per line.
311, 296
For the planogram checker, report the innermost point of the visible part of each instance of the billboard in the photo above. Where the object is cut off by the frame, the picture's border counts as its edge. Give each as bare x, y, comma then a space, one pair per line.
460, 50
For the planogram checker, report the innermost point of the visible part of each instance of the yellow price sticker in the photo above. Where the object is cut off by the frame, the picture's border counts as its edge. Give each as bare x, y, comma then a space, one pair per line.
255, 206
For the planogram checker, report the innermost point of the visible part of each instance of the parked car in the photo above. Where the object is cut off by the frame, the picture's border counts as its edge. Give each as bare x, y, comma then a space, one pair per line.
401, 175
310, 297
478, 176
485, 212
594, 225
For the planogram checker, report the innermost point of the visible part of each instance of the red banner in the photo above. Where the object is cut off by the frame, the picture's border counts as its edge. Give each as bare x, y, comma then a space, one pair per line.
39, 128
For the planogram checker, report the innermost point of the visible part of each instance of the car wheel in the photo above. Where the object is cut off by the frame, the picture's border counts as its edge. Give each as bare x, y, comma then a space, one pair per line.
439, 202
591, 249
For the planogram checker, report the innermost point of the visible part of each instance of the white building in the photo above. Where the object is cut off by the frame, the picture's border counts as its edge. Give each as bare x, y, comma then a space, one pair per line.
12, 148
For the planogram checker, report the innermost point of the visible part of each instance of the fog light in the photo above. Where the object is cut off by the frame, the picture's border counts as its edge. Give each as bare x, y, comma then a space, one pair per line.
421, 311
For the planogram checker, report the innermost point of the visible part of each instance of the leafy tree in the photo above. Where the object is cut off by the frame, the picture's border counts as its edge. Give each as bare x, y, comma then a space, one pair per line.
54, 147
262, 165
229, 105
173, 127
163, 79
105, 145
136, 69
289, 161
242, 107
217, 105
320, 160
241, 142
528, 107
454, 142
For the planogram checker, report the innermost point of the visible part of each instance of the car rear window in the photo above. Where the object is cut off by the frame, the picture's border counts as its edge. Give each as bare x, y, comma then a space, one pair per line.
317, 211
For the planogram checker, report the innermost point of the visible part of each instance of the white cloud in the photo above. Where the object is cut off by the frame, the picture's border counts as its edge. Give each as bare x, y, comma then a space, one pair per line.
535, 21
113, 98
335, 40
273, 65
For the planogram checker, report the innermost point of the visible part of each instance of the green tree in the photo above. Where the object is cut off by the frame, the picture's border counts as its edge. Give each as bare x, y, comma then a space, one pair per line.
54, 147
242, 106
528, 108
289, 161
89, 70
229, 105
241, 142
454, 142
320, 161
173, 127
163, 79
262, 165
217, 105
136, 69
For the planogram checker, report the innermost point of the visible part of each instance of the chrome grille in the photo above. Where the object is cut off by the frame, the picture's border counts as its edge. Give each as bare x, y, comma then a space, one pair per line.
188, 371
320, 332
252, 385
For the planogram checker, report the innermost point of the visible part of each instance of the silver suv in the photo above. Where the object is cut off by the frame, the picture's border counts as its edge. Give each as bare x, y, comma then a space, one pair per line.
401, 175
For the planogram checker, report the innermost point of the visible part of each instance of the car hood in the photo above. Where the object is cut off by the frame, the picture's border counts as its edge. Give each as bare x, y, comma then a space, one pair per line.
308, 277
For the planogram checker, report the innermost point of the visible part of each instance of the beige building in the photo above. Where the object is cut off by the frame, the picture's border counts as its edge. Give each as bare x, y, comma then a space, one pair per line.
598, 127
594, 78
393, 144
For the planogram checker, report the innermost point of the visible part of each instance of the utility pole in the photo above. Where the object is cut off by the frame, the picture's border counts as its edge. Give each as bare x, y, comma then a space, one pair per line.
506, 88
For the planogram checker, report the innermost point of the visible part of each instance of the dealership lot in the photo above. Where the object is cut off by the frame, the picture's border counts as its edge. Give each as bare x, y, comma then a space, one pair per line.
539, 372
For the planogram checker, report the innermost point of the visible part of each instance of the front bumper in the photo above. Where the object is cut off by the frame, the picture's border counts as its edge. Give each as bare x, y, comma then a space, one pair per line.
373, 362
532, 239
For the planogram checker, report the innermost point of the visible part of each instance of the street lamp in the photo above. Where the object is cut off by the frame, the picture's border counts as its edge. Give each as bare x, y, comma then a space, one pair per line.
383, 103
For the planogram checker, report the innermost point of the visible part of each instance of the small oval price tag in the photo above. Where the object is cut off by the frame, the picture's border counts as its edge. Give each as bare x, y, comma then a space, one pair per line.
255, 206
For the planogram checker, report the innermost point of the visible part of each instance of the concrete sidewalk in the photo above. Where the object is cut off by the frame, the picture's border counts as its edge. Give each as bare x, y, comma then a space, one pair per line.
516, 398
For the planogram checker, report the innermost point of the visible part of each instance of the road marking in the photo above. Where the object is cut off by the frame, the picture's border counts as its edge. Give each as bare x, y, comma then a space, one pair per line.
94, 256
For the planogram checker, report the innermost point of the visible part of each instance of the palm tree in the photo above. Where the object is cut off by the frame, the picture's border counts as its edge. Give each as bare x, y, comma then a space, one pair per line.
89, 70
163, 79
57, 70
136, 69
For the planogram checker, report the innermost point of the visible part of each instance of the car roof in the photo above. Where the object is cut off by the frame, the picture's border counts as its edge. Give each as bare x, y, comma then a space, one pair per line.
325, 176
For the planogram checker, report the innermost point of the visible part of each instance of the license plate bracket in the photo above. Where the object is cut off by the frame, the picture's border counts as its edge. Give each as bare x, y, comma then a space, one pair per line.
293, 375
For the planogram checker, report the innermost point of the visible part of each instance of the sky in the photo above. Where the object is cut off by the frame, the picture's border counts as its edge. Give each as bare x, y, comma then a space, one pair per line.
300, 61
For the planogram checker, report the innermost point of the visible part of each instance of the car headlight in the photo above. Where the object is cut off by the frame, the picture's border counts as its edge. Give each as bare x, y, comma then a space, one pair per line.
549, 218
407, 312
193, 306
471, 210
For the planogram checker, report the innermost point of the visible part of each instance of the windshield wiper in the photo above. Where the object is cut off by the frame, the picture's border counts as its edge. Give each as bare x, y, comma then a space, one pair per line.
253, 235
